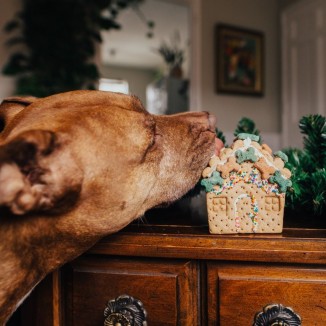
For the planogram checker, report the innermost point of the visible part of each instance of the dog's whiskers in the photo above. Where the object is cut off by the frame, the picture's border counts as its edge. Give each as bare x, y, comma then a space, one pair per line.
142, 220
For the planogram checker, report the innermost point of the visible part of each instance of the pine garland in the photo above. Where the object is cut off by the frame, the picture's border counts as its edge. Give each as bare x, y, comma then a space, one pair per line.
308, 166
314, 141
220, 135
247, 126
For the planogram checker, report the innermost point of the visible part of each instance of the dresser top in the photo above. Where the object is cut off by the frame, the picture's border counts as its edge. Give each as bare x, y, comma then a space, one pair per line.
307, 246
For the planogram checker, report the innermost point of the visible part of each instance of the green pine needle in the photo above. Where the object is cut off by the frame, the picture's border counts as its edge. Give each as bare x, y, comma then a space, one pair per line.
247, 126
318, 192
221, 136
307, 195
314, 129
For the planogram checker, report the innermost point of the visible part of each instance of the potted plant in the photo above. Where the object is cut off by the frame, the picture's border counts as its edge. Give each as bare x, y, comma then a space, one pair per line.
173, 55
57, 41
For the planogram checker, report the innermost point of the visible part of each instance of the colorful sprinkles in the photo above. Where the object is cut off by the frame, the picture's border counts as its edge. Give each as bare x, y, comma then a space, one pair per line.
252, 178
252, 215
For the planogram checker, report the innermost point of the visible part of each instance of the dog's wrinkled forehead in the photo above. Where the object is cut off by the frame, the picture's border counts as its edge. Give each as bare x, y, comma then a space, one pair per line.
75, 101
137, 104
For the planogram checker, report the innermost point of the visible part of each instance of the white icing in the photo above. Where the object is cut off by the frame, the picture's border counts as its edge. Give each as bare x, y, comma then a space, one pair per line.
246, 145
247, 142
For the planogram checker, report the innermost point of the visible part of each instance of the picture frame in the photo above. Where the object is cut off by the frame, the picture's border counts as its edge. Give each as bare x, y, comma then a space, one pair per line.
239, 60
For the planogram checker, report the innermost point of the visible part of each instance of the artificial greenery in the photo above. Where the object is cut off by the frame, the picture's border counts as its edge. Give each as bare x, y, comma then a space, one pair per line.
57, 41
220, 135
308, 166
247, 126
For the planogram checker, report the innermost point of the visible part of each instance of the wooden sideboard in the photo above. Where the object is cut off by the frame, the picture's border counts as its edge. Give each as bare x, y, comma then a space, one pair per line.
185, 276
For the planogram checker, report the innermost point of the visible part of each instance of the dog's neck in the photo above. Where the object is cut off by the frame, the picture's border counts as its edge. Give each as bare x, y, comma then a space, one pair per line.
30, 248
33, 246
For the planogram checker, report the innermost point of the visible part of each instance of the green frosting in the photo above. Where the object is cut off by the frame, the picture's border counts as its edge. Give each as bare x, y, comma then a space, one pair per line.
215, 179
244, 136
282, 183
282, 156
248, 155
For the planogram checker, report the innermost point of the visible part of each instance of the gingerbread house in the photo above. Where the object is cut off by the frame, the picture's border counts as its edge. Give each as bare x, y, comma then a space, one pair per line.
246, 187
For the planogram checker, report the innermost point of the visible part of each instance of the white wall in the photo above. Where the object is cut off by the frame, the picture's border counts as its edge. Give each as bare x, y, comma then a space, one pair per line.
7, 12
138, 78
253, 14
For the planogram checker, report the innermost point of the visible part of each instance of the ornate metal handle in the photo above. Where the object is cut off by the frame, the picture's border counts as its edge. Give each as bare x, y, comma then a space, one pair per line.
125, 311
277, 315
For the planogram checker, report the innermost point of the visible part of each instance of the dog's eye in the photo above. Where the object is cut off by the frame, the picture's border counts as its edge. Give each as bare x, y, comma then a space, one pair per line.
156, 138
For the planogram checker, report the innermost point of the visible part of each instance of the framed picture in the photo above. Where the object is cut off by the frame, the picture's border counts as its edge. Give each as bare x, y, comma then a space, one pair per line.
240, 60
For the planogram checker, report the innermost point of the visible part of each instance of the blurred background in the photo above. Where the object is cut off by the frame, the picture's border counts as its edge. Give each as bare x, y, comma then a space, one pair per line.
164, 51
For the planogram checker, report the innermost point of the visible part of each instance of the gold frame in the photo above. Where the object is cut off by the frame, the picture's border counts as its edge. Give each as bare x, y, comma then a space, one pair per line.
239, 61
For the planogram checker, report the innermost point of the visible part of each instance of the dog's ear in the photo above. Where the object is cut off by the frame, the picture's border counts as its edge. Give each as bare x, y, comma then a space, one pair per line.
20, 173
11, 106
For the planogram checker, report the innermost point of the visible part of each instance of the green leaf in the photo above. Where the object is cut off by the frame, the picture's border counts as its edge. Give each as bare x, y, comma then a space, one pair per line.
314, 129
221, 136
108, 23
247, 126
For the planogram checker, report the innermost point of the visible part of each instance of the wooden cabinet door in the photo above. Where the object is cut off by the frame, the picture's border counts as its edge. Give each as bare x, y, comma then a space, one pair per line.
237, 292
168, 289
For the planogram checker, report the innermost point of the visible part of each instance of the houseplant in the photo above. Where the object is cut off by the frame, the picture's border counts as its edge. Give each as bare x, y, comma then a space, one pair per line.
173, 55
57, 42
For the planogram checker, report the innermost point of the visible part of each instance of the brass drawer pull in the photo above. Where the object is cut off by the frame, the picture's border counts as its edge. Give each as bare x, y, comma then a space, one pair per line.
277, 315
125, 311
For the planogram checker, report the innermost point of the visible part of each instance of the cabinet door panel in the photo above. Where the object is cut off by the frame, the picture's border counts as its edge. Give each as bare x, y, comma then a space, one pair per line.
237, 292
167, 289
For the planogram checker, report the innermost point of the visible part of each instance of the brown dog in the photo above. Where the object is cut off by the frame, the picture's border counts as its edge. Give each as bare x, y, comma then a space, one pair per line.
80, 165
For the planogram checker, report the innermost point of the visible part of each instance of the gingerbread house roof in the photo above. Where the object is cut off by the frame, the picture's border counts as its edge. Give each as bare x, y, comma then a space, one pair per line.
246, 151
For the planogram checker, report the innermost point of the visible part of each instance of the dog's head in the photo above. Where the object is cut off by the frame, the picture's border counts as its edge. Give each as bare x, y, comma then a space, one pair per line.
98, 149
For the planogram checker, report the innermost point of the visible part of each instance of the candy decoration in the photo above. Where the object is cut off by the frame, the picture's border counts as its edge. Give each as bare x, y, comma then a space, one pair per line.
209, 183
282, 156
252, 178
250, 136
282, 183
230, 166
279, 163
237, 144
266, 148
265, 170
248, 155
